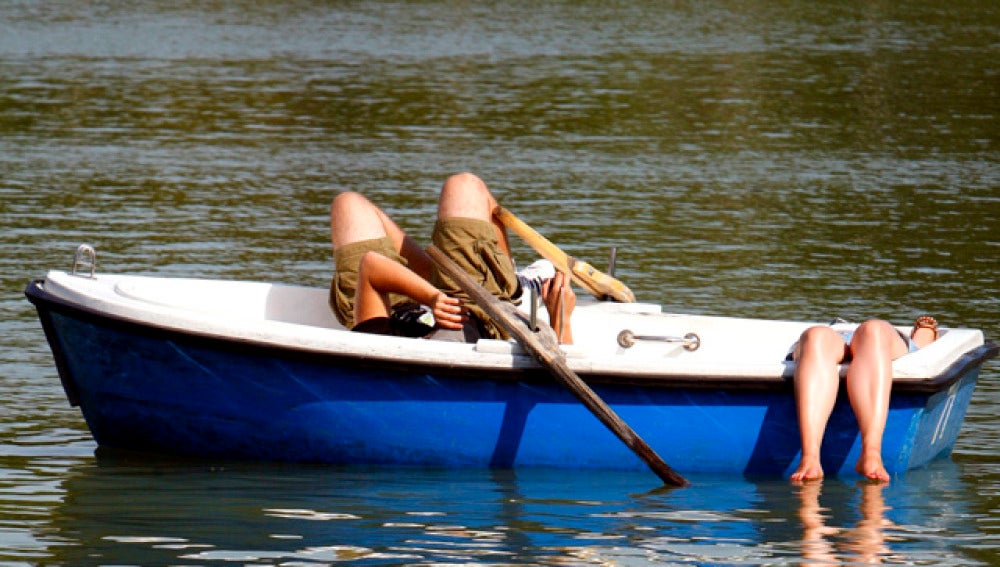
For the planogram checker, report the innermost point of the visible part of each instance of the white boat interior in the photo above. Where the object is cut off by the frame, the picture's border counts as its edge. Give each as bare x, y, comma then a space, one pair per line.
663, 344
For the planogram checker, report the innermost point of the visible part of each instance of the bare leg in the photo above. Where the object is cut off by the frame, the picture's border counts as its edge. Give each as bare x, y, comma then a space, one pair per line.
466, 195
560, 302
819, 351
354, 218
869, 382
923, 336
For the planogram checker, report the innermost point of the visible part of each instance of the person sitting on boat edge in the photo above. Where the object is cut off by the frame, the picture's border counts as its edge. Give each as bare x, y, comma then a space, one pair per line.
383, 276
870, 348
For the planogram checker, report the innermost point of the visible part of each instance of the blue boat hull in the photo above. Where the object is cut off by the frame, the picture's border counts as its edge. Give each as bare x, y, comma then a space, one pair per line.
150, 389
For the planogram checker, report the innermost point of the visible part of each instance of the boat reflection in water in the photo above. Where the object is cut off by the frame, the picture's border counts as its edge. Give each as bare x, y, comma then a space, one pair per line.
128, 509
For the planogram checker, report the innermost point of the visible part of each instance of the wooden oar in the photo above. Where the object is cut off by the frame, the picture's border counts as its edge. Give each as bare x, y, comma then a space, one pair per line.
597, 283
544, 347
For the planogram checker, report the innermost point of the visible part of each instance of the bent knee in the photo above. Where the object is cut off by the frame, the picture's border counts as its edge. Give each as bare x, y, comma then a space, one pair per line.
879, 335
465, 195
348, 201
875, 328
354, 218
465, 180
820, 340
818, 333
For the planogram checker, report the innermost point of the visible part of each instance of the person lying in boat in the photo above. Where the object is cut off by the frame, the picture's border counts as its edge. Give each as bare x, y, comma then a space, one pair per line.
870, 349
383, 276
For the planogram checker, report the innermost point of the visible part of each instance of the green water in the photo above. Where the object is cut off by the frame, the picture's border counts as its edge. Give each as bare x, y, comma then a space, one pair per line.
790, 160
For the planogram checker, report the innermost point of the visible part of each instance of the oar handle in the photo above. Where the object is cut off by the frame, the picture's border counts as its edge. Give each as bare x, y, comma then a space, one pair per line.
597, 283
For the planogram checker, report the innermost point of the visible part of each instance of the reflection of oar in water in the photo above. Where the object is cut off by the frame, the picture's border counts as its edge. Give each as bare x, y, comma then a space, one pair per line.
543, 346
598, 284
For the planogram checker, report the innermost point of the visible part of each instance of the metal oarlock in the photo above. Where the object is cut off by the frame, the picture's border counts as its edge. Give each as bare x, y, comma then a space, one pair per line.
690, 341
534, 310
85, 257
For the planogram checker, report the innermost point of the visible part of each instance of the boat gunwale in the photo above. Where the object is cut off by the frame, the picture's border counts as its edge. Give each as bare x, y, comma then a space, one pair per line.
44, 299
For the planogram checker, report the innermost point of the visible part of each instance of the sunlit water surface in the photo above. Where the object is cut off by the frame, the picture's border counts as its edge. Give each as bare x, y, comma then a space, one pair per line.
787, 160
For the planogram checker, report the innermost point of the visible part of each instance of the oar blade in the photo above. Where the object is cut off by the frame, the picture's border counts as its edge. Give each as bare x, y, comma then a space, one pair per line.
601, 284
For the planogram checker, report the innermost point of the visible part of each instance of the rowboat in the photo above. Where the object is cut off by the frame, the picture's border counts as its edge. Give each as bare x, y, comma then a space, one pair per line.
257, 370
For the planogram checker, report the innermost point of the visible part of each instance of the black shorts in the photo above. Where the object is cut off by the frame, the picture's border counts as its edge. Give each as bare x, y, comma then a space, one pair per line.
403, 322
378, 326
395, 326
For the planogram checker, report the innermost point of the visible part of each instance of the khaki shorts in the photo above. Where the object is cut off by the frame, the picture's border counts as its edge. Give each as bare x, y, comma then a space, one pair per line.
347, 258
473, 245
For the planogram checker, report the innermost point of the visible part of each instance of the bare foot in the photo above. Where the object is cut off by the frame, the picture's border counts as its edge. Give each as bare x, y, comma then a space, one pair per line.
925, 331
809, 469
871, 467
